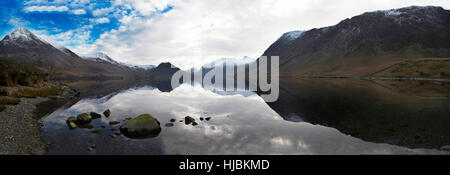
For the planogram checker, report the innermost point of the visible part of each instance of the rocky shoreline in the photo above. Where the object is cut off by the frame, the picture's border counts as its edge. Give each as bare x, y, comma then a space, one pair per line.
20, 127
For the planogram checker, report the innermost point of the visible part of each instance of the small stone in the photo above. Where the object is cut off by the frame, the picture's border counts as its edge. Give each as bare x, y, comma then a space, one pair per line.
194, 123
72, 125
93, 147
201, 118
208, 118
172, 120
95, 131
103, 126
90, 149
113, 122
113, 136
95, 115
169, 124
118, 133
107, 113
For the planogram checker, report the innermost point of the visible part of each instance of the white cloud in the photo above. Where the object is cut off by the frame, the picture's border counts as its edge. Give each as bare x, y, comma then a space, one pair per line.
102, 11
79, 12
103, 20
46, 9
79, 36
197, 31
18, 22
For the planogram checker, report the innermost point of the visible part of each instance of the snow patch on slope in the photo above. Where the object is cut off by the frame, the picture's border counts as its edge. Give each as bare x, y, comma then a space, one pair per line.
292, 35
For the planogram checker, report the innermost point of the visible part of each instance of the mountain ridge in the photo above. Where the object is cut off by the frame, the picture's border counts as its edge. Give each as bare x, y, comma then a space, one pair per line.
362, 44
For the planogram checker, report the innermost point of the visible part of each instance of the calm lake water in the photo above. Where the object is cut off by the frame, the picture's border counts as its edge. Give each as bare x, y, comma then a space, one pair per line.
310, 117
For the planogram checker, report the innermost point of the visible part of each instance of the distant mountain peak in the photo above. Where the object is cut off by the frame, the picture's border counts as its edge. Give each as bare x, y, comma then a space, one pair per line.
233, 61
100, 56
23, 36
21, 33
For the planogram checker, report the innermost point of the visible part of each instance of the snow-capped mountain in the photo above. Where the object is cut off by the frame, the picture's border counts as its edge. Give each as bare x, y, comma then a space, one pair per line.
293, 35
233, 61
101, 57
146, 67
25, 47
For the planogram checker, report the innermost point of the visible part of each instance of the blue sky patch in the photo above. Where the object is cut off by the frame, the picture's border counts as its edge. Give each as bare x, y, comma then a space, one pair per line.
70, 23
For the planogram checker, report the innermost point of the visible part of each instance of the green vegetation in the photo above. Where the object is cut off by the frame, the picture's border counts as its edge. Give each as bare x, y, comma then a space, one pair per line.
13, 73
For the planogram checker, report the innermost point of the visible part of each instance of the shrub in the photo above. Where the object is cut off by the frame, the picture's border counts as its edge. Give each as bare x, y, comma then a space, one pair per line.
41, 92
9, 101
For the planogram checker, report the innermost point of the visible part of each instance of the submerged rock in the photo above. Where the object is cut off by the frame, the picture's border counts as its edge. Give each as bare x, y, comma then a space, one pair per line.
107, 113
84, 118
188, 120
169, 124
85, 125
172, 120
95, 131
113, 122
95, 115
201, 118
143, 126
208, 118
194, 123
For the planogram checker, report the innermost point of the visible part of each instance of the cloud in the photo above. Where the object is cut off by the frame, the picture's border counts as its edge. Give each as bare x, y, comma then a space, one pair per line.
197, 31
79, 12
18, 22
103, 20
102, 11
70, 38
46, 9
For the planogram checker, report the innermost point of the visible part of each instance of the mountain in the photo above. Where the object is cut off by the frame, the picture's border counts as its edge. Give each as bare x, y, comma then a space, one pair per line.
222, 61
24, 47
146, 67
366, 43
101, 57
164, 69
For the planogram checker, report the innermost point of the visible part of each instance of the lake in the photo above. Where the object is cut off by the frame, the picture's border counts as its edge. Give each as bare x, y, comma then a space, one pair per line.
311, 116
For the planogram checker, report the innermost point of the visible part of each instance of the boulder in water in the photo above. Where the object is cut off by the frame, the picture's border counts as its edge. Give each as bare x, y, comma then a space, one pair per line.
84, 118
143, 126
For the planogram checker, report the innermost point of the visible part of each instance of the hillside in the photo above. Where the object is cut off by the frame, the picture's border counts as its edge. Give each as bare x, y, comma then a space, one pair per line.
367, 43
25, 47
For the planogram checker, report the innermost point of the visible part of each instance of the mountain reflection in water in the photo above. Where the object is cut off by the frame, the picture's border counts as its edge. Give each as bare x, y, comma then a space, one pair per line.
245, 124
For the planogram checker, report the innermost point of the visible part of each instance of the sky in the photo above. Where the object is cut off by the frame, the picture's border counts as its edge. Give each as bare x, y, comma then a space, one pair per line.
187, 33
